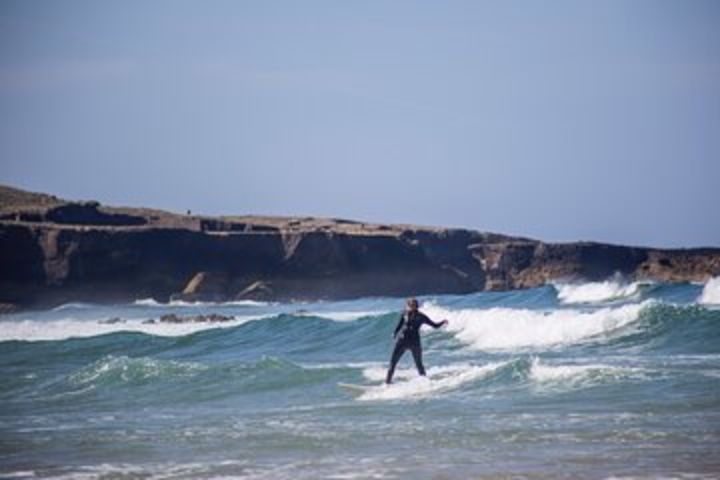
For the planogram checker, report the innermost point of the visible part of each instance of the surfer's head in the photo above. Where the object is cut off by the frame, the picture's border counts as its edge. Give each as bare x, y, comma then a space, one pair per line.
412, 304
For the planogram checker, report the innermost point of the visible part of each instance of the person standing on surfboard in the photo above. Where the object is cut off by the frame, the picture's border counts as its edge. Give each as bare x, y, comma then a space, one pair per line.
407, 337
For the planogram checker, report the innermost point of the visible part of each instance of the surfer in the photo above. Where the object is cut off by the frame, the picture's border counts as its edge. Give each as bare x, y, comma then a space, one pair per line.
407, 337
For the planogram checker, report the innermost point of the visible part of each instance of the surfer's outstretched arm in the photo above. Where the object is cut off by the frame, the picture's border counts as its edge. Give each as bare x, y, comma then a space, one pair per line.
427, 321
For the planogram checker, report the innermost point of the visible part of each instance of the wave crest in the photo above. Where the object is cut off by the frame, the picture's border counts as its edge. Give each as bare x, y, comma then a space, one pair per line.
530, 372
64, 329
502, 328
711, 292
151, 302
123, 369
597, 292
578, 376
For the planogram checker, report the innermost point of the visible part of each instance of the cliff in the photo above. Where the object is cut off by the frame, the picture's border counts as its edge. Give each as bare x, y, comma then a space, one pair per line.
54, 251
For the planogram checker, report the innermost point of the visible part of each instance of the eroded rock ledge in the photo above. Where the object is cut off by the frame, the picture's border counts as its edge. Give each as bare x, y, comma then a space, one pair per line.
53, 251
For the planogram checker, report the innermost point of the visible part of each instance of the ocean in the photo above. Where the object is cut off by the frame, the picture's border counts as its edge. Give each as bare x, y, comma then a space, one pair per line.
607, 380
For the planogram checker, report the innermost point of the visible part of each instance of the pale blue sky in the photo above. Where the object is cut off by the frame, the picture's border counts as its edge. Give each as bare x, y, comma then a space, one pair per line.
578, 120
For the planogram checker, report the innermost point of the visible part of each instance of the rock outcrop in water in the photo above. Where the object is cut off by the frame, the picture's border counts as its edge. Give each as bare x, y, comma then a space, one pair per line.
54, 251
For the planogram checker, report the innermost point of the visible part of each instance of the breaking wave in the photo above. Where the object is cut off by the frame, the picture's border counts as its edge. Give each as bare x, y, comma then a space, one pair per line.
63, 329
502, 328
576, 376
97, 391
123, 370
711, 292
151, 302
597, 292
439, 379
530, 372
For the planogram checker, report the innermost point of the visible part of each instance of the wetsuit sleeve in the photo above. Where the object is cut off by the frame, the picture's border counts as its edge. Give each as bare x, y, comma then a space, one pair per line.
427, 321
399, 326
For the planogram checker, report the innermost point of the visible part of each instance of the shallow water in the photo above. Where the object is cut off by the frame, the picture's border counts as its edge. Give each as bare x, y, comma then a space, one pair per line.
605, 380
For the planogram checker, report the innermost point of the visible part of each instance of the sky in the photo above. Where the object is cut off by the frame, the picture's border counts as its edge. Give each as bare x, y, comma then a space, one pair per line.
562, 121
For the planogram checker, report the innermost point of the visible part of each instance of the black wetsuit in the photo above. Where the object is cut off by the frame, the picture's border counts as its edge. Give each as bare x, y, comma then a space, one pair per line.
407, 337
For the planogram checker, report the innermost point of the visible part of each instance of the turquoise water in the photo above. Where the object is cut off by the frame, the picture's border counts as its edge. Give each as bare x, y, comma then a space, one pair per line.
607, 380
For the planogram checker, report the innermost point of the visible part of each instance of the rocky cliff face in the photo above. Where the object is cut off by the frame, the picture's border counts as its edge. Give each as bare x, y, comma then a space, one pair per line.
52, 251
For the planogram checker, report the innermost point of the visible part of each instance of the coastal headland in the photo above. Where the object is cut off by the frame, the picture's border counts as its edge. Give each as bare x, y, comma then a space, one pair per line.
55, 251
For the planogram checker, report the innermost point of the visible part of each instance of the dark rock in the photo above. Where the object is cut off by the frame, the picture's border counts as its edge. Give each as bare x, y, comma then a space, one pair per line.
209, 318
112, 321
84, 252
171, 318
215, 317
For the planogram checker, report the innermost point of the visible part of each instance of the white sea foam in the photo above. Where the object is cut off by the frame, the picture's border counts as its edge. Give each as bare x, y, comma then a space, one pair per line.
340, 468
72, 305
151, 302
333, 365
547, 373
711, 292
595, 292
338, 315
508, 328
126, 369
578, 375
156, 471
34, 330
22, 474
70, 327
409, 385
